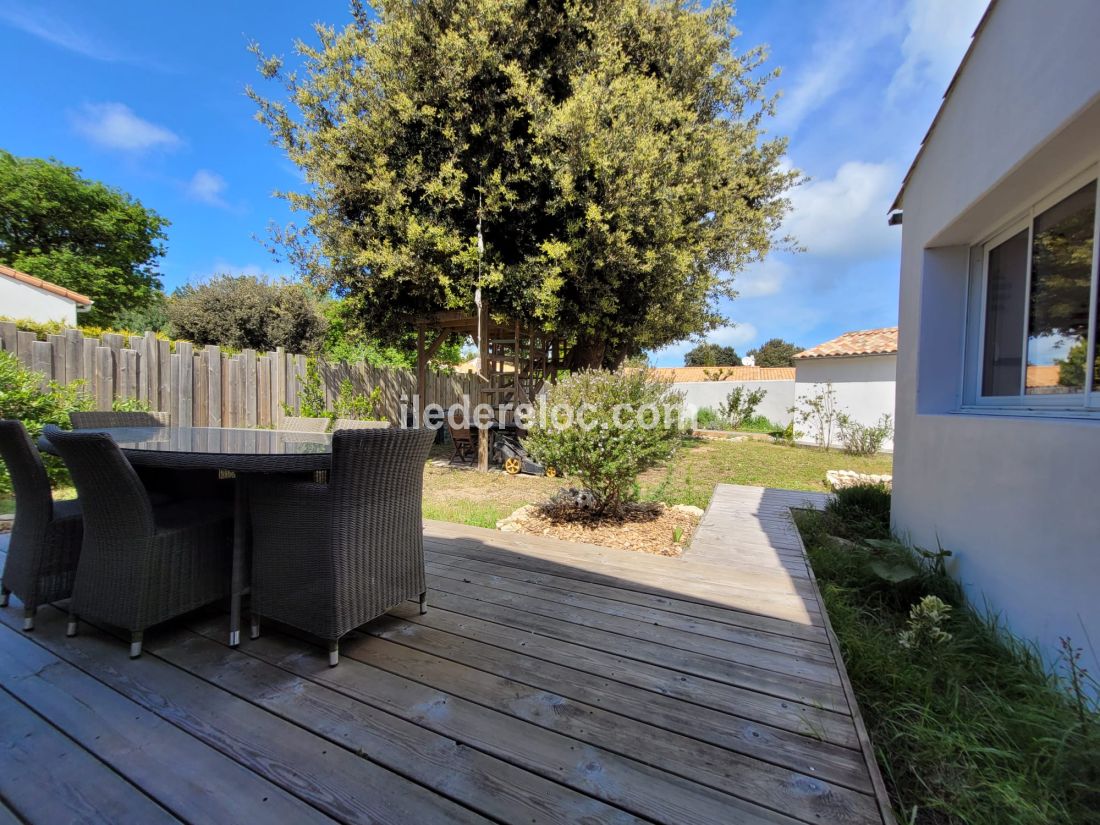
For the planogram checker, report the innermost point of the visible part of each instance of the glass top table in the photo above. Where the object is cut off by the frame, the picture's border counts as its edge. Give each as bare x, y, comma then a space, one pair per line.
246, 451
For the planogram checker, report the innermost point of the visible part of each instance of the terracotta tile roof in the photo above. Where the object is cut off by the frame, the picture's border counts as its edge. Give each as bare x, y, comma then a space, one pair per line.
863, 342
726, 373
23, 277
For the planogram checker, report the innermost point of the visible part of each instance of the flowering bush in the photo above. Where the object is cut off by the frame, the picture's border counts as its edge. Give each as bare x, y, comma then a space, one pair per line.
604, 428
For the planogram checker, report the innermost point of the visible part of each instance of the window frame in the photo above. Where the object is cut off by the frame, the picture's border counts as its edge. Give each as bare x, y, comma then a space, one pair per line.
1084, 404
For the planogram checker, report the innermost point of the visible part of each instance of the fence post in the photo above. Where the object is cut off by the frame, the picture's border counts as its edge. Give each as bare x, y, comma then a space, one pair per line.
104, 377
184, 375
42, 361
214, 386
74, 356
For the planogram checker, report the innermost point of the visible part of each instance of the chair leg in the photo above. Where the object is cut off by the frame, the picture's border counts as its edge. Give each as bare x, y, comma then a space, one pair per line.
4, 593
334, 653
423, 602
135, 644
28, 618
255, 634
70, 631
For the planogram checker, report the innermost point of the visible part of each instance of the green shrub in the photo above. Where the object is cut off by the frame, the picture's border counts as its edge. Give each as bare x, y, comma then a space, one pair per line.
607, 456
351, 404
22, 398
131, 405
707, 419
759, 424
864, 439
862, 510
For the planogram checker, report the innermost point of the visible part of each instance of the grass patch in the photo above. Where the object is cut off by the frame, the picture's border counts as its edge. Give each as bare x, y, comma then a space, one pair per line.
971, 729
689, 478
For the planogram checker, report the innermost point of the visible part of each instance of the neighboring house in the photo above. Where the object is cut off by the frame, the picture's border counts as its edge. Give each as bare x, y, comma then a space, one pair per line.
861, 366
997, 452
709, 387
24, 296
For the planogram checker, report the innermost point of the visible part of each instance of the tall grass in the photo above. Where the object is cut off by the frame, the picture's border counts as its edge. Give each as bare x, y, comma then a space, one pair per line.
971, 730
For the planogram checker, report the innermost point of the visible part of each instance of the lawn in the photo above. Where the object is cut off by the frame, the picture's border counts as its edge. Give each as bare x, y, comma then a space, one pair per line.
481, 500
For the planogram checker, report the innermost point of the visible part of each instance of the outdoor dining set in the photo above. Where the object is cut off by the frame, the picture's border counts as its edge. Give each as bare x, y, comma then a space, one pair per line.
322, 531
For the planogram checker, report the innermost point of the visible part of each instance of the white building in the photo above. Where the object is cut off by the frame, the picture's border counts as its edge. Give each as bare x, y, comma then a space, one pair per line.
23, 296
861, 367
997, 452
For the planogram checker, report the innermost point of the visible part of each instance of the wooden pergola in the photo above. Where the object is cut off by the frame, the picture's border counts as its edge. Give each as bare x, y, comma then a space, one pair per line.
532, 355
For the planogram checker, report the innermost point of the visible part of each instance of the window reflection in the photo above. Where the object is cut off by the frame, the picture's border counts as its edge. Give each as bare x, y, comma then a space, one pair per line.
1061, 275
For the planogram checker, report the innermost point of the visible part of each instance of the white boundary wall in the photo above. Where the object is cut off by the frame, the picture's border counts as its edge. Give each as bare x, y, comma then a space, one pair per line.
779, 398
864, 385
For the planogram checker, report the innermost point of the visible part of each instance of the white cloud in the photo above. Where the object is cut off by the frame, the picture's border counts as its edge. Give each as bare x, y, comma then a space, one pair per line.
762, 279
207, 187
57, 30
845, 216
835, 57
115, 126
938, 34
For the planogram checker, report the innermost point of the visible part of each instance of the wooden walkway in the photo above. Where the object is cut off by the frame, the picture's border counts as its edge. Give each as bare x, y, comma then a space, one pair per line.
549, 682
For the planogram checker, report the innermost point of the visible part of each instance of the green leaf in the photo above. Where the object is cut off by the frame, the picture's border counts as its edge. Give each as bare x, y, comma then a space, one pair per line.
894, 572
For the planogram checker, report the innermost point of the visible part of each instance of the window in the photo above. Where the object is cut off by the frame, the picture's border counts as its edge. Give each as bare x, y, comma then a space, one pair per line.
1039, 293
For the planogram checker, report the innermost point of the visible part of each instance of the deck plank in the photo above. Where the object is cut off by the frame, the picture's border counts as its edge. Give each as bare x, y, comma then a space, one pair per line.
46, 777
341, 784
186, 777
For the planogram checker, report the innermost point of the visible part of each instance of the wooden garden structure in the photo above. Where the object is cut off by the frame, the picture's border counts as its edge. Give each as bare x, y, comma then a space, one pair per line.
516, 359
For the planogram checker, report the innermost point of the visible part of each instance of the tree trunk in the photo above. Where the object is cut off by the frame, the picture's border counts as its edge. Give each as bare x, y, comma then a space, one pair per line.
586, 354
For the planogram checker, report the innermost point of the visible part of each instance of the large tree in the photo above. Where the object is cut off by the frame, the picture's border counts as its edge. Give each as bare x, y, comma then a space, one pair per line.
80, 234
612, 150
775, 353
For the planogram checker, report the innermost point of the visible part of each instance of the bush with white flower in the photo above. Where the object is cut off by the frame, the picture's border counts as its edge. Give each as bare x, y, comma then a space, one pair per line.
604, 428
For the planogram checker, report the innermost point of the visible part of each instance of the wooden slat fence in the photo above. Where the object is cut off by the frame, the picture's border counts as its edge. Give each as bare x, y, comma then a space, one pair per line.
205, 387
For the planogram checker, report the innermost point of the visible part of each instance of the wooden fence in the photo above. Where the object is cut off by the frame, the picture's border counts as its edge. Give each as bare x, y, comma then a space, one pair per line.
205, 387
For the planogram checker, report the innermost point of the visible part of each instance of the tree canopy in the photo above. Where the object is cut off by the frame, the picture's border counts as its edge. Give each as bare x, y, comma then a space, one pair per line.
775, 353
611, 149
711, 355
246, 312
80, 234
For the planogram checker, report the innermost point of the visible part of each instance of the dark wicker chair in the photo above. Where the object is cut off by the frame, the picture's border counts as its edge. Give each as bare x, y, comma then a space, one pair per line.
139, 564
328, 558
358, 424
45, 539
101, 419
302, 424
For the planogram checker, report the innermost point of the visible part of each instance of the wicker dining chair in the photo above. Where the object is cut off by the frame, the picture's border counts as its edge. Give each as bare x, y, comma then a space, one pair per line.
139, 564
359, 424
302, 424
107, 418
328, 558
46, 535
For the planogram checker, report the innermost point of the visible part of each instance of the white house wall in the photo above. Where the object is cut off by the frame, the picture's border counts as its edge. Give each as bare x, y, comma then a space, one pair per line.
20, 300
864, 385
779, 398
1013, 497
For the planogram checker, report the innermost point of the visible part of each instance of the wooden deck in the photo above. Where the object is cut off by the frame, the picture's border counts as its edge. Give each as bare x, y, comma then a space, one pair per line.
549, 682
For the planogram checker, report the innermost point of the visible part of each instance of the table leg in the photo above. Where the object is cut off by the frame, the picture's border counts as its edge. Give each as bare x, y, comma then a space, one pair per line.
240, 548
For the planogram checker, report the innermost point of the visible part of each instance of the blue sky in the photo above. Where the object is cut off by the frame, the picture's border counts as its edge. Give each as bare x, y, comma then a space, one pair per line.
149, 97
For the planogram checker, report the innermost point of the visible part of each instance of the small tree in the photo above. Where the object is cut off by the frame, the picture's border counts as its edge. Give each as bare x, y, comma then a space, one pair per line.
740, 405
819, 412
605, 428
